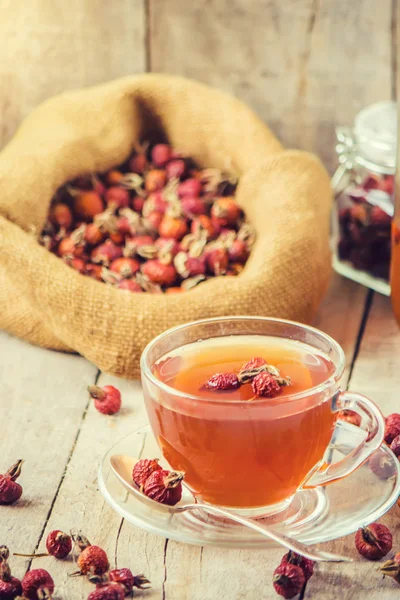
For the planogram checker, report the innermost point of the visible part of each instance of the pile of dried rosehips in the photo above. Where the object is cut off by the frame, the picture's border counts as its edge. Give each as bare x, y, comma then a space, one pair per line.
365, 227
292, 574
157, 483
92, 562
157, 224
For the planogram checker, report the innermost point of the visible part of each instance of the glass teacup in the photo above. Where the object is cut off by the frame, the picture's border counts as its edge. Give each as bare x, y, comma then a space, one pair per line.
252, 453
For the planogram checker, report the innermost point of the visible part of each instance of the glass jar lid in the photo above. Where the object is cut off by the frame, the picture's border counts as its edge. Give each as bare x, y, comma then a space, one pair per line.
375, 132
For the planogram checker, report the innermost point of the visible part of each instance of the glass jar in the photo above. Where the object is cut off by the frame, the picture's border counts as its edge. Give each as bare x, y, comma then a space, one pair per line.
395, 263
364, 197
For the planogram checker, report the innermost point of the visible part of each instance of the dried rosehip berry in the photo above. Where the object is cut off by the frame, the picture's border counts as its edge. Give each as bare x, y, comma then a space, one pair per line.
126, 267
350, 416
155, 180
306, 565
253, 363
114, 177
138, 164
203, 225
189, 266
222, 382
10, 490
217, 260
94, 271
167, 246
107, 591
380, 217
392, 428
238, 251
155, 201
288, 580
227, 211
58, 544
391, 568
92, 560
10, 587
189, 188
87, 205
106, 253
107, 399
128, 581
175, 169
68, 247
265, 385
382, 465
160, 154
37, 584
159, 273
395, 446
117, 197
93, 234
78, 264
373, 542
154, 220
143, 469
61, 216
171, 227
193, 206
131, 285
164, 486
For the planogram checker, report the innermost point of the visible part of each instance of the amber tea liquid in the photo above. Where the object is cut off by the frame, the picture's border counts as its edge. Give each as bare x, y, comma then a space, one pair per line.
236, 451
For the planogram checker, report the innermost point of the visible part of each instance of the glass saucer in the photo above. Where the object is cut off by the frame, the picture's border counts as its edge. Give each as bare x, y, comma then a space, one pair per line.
314, 516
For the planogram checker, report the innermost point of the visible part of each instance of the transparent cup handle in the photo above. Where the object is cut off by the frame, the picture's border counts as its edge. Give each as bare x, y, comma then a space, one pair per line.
372, 422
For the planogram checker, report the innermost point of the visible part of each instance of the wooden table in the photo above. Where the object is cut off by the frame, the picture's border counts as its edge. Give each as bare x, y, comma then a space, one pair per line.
304, 66
48, 419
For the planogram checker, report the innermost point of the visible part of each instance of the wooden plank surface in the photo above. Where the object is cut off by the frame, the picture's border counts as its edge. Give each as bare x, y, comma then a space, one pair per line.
49, 46
304, 66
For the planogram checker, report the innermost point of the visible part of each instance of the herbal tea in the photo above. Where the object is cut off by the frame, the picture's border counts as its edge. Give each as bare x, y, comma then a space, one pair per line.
240, 438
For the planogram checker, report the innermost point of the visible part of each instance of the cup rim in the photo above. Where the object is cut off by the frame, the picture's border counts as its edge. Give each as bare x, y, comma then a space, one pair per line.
334, 378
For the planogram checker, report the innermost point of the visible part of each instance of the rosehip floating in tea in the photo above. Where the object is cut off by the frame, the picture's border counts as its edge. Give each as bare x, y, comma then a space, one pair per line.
125, 227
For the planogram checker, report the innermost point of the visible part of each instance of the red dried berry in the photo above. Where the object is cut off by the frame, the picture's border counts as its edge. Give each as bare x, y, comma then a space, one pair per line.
117, 237
175, 169
107, 399
171, 227
373, 542
189, 188
87, 205
36, 583
288, 580
68, 247
164, 486
238, 251
93, 560
137, 203
139, 240
10, 587
78, 264
253, 363
223, 382
158, 272
167, 245
138, 164
61, 216
94, 271
123, 225
203, 225
143, 469
93, 234
227, 211
106, 253
128, 581
189, 266
114, 177
155, 180
379, 217
392, 428
160, 154
153, 220
193, 206
126, 267
382, 465
350, 416
131, 285
395, 446
306, 565
10, 490
217, 260
265, 385
117, 197
58, 544
107, 591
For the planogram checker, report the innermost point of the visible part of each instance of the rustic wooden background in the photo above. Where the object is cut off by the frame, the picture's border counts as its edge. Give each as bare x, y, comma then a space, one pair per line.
304, 66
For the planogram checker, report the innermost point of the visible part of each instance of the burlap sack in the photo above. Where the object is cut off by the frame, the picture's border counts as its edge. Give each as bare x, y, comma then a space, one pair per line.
286, 195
